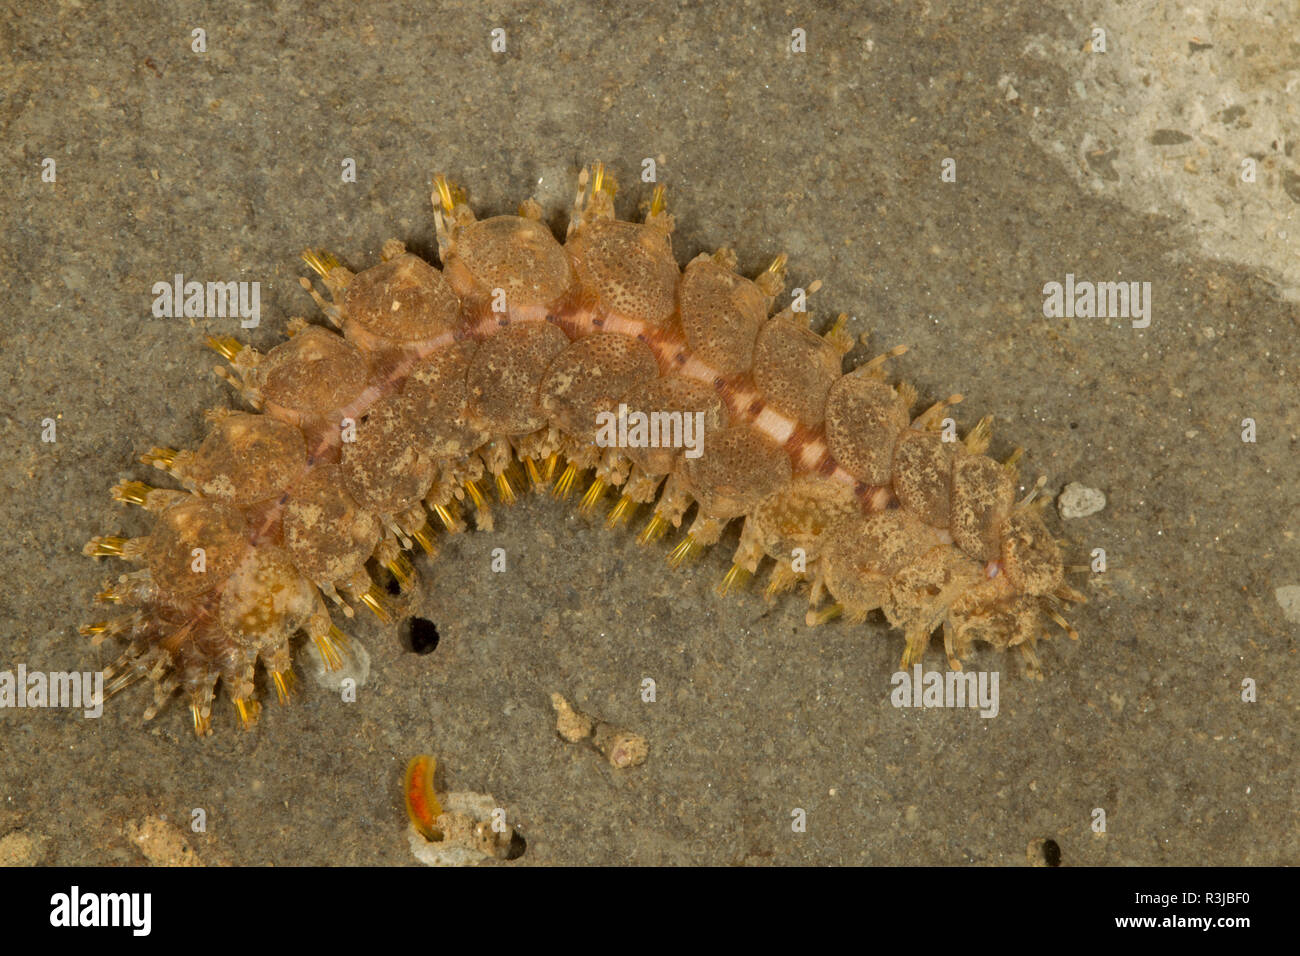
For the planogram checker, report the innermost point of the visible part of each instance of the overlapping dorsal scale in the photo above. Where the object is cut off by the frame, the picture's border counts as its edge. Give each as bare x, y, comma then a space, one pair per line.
266, 601
739, 470
665, 402
864, 419
983, 495
195, 546
721, 313
507, 267
311, 379
795, 368
400, 305
245, 458
437, 392
505, 373
385, 468
326, 530
589, 377
626, 268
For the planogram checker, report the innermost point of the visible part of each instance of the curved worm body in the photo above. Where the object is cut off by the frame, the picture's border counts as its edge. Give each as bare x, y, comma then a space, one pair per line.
527, 361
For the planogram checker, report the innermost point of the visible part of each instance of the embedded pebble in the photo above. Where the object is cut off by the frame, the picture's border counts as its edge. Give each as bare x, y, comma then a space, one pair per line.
161, 843
21, 849
1288, 598
570, 724
620, 747
1079, 501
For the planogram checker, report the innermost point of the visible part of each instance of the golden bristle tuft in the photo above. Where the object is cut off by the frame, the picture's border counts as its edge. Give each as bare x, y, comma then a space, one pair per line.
226, 346
329, 646
1064, 625
505, 492
105, 546
449, 194
601, 181
621, 513
655, 529
686, 549
476, 496
659, 201
374, 599
534, 475
594, 493
423, 536
202, 725
978, 438
122, 681
402, 570
448, 518
1012, 464
164, 458
735, 579
284, 685
782, 580
816, 618
132, 492
565, 483
320, 261
249, 710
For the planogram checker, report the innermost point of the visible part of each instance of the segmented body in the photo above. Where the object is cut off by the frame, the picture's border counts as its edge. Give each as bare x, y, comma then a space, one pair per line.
517, 353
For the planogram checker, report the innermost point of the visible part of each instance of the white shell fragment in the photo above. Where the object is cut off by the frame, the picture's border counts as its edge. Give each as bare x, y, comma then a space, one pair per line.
1079, 501
468, 835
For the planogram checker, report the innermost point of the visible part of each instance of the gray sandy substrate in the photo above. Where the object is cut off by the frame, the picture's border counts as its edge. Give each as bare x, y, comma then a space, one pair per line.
224, 165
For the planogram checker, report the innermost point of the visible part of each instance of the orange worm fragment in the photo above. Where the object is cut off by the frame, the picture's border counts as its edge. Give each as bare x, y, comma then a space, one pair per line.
422, 804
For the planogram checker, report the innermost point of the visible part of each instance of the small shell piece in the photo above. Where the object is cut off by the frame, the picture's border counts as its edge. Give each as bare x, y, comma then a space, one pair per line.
422, 804
622, 748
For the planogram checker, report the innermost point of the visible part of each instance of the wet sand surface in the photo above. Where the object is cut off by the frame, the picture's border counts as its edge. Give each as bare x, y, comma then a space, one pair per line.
223, 165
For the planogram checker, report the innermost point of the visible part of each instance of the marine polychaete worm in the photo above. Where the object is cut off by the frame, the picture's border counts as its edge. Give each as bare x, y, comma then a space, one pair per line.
495, 373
